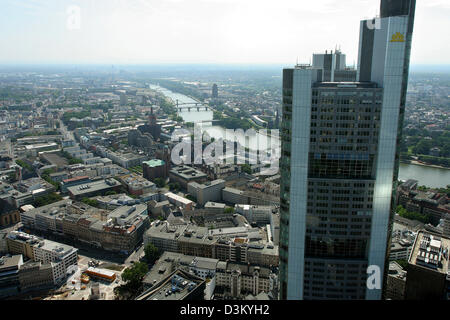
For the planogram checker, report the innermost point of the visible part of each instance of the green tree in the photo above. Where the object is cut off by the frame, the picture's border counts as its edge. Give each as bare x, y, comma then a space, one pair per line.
24, 165
403, 263
246, 168
152, 253
190, 197
229, 210
160, 183
134, 275
90, 202
402, 212
47, 199
175, 186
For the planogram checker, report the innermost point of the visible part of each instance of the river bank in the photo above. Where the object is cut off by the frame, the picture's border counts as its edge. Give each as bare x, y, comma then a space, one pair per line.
417, 163
430, 175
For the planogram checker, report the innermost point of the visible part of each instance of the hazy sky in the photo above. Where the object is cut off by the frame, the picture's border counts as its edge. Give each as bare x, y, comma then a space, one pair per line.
202, 31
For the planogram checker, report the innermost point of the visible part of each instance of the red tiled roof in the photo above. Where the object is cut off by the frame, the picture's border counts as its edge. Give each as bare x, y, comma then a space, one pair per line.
75, 179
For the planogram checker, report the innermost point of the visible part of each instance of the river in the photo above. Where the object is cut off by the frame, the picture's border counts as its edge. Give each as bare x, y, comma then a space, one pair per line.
428, 176
254, 141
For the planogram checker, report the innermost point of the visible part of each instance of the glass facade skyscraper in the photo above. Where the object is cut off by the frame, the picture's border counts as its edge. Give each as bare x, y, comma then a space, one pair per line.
339, 162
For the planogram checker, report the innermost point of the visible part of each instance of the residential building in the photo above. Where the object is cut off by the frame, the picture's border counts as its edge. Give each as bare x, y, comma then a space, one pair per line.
236, 280
430, 203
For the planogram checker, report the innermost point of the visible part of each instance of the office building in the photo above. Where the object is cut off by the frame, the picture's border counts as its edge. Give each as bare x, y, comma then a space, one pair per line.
215, 91
204, 268
62, 257
3, 242
179, 285
428, 275
120, 230
333, 67
22, 243
259, 215
396, 282
35, 275
235, 244
72, 182
339, 163
179, 201
185, 174
205, 192
9, 275
155, 168
94, 188
136, 184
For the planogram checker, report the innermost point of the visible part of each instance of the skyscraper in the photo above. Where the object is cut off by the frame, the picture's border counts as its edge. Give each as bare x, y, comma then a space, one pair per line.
333, 67
339, 163
215, 91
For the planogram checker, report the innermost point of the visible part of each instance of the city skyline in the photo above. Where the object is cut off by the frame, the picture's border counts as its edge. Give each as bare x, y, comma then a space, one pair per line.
224, 151
176, 31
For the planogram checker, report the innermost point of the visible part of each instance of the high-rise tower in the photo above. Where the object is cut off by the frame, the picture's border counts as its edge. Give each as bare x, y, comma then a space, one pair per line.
339, 163
215, 91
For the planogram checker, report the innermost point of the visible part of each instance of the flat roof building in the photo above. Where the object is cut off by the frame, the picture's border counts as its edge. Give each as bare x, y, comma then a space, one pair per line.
155, 168
179, 201
428, 268
185, 174
396, 282
208, 191
179, 285
94, 188
9, 275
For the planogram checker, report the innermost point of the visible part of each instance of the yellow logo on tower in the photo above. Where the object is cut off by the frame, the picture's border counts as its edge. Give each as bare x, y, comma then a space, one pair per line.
398, 37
